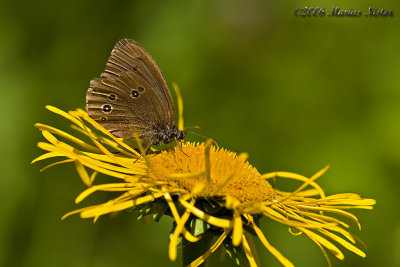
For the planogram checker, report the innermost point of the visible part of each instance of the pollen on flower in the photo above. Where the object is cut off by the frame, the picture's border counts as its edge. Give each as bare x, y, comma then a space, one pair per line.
229, 175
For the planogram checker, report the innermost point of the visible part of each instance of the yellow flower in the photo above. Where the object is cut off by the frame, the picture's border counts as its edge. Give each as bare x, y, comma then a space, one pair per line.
201, 182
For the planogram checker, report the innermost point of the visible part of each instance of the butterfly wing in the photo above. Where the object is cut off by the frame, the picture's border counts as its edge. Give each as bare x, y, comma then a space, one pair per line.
129, 56
126, 104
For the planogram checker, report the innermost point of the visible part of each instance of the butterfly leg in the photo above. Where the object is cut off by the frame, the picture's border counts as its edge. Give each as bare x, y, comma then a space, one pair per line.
144, 152
179, 143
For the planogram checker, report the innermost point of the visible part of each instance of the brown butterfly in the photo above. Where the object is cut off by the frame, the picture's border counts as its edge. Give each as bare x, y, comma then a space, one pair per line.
131, 96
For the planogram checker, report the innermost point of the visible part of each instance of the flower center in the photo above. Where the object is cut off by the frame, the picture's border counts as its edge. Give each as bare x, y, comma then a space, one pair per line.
229, 174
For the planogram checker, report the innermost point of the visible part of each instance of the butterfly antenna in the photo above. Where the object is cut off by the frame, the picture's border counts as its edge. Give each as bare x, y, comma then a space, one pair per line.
193, 127
205, 137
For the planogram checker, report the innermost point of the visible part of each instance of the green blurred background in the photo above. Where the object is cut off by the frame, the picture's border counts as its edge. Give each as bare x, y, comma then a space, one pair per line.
295, 93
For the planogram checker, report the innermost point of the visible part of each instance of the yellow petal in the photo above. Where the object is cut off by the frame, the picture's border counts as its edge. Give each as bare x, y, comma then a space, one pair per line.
175, 214
321, 218
315, 237
344, 243
249, 239
248, 252
186, 175
47, 156
322, 250
211, 250
56, 163
338, 211
103, 130
280, 218
82, 173
75, 212
105, 140
104, 187
208, 144
237, 229
108, 208
64, 114
244, 155
66, 136
99, 166
93, 176
180, 106
223, 223
295, 176
272, 249
51, 138
178, 230
109, 154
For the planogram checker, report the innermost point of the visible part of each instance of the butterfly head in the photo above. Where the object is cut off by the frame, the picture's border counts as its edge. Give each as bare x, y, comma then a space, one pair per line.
167, 135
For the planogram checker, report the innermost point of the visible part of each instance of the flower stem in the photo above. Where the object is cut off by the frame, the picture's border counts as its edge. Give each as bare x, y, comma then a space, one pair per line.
191, 251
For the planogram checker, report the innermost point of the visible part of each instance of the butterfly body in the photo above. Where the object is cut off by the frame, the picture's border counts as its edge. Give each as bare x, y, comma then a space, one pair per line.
131, 97
166, 135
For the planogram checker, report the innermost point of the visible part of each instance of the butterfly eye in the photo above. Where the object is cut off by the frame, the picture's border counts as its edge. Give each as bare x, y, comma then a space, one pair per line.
112, 97
140, 89
135, 94
107, 108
